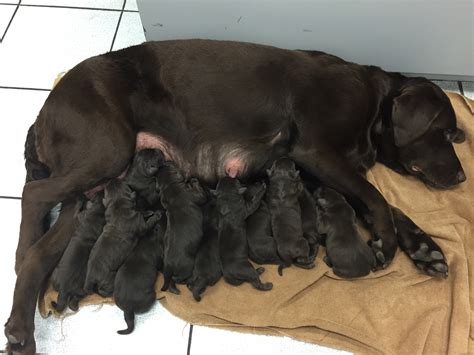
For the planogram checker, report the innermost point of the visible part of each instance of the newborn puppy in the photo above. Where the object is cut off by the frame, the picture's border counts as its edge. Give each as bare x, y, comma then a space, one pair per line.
233, 249
124, 225
346, 251
207, 266
262, 246
134, 289
309, 215
284, 189
141, 177
69, 275
183, 235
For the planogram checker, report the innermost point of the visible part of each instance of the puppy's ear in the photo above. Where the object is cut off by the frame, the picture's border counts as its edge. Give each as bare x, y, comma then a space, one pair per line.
295, 174
322, 202
456, 136
242, 190
269, 172
412, 116
133, 195
213, 192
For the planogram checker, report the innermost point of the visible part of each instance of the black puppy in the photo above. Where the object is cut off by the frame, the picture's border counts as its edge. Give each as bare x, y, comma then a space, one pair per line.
262, 246
134, 288
183, 235
233, 249
346, 251
141, 177
309, 214
285, 187
207, 266
124, 225
70, 273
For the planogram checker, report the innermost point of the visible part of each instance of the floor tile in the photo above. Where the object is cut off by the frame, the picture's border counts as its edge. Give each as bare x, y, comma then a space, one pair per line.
130, 31
209, 341
9, 1
6, 13
448, 85
18, 110
468, 87
131, 5
43, 42
103, 4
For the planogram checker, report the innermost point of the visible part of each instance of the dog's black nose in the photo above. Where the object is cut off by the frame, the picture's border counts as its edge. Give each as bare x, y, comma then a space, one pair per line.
461, 176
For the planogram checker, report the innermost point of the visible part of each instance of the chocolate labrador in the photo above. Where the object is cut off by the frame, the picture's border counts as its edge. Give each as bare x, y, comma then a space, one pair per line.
218, 108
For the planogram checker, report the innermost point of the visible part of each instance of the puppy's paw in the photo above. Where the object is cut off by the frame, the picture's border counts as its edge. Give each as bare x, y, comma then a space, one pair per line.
262, 286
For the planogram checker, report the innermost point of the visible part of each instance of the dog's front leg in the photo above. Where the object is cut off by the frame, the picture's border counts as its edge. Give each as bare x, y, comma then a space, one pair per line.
335, 172
419, 246
39, 262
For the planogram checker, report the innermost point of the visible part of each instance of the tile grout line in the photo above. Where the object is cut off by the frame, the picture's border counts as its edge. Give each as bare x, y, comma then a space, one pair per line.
190, 338
10, 22
77, 7
10, 197
118, 25
461, 88
23, 88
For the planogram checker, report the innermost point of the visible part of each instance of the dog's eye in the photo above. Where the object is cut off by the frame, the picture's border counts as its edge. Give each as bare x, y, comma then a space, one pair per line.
416, 169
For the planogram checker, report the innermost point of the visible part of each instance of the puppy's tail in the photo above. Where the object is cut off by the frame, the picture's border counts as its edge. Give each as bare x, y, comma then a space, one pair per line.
35, 170
129, 317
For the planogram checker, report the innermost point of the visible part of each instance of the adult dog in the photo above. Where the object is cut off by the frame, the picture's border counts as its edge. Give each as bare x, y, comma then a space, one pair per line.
220, 108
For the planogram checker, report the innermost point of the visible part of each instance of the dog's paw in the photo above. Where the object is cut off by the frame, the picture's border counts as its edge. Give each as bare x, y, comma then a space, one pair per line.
20, 340
262, 286
427, 255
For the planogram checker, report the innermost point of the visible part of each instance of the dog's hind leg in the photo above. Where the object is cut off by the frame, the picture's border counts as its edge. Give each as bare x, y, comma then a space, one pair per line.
419, 246
40, 261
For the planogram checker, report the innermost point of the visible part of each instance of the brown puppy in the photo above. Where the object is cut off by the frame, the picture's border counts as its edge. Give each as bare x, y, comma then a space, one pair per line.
134, 288
124, 225
70, 274
141, 177
346, 252
207, 266
233, 211
183, 235
284, 189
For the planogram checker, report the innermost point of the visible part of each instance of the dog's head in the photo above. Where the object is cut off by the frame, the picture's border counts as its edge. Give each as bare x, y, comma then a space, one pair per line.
229, 193
424, 130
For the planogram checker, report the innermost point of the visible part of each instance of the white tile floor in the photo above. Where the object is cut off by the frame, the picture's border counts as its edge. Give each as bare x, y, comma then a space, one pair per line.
43, 38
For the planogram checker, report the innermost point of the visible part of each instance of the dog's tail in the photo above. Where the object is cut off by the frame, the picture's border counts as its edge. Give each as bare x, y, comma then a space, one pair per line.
129, 317
35, 170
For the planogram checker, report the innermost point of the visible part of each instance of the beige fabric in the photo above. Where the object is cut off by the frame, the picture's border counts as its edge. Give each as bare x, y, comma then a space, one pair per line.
395, 311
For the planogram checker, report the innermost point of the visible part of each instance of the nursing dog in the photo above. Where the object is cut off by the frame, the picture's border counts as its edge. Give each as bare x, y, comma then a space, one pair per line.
69, 276
182, 201
284, 189
134, 288
176, 96
233, 210
346, 252
124, 225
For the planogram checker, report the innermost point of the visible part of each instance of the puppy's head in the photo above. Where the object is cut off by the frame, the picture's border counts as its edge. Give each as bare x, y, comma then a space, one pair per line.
285, 179
229, 192
424, 130
117, 190
147, 161
169, 173
283, 167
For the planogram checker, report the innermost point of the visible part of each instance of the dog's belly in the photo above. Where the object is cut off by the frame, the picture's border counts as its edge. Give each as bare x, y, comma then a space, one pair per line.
210, 161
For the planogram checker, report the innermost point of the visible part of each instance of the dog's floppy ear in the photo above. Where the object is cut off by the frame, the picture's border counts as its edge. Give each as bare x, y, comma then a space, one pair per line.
412, 116
455, 136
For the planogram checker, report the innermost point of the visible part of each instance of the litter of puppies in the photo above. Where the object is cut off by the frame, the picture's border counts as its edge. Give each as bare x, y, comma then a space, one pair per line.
155, 220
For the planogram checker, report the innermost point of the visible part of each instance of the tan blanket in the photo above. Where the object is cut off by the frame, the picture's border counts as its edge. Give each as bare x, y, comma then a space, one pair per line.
395, 311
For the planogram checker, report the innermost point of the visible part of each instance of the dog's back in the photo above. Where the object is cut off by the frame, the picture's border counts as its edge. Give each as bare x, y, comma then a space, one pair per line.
134, 288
